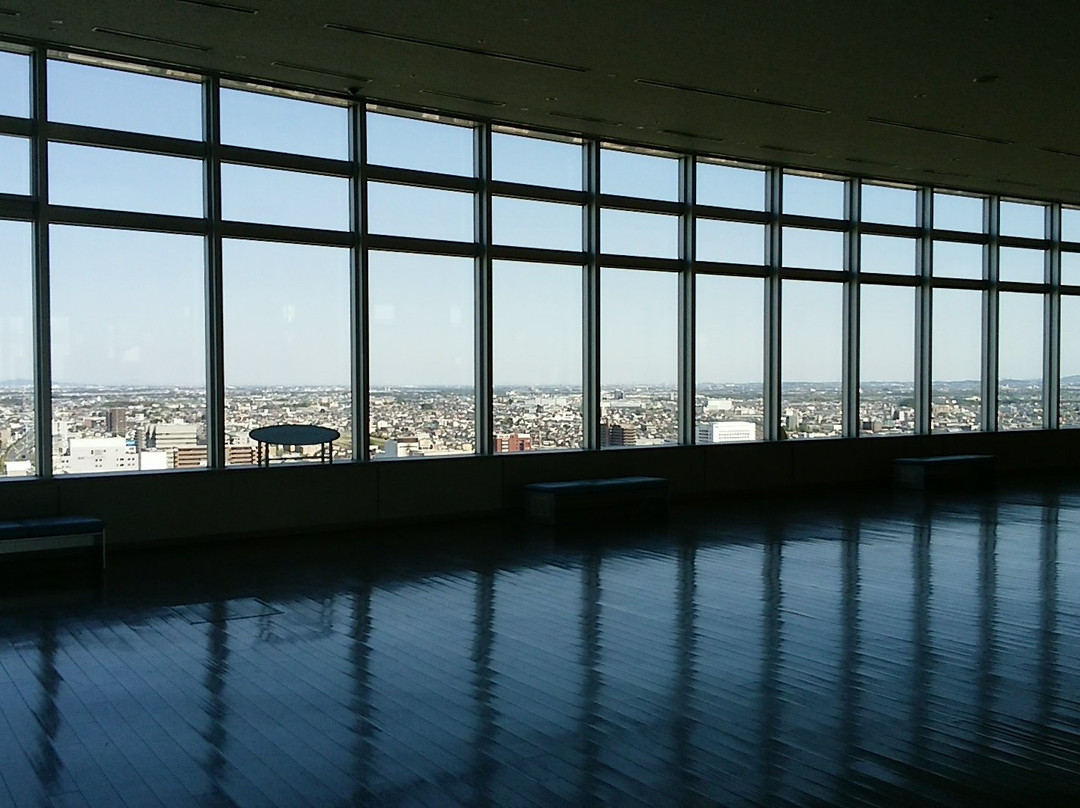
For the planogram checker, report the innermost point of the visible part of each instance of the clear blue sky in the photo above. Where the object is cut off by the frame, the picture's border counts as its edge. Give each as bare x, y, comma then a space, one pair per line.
128, 307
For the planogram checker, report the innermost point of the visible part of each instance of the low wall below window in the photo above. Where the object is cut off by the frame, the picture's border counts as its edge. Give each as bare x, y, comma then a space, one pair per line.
201, 505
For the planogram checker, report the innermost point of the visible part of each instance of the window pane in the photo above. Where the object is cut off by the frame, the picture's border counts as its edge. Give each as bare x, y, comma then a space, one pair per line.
1070, 224
276, 123
730, 242
421, 353
90, 177
404, 210
14, 165
813, 196
287, 356
1070, 268
730, 325
811, 359
16, 349
402, 142
1022, 219
956, 212
1070, 361
888, 254
1020, 361
627, 173
123, 375
536, 161
886, 360
956, 360
627, 232
953, 259
1018, 264
883, 204
526, 223
536, 322
291, 198
118, 99
639, 367
813, 249
730, 187
14, 84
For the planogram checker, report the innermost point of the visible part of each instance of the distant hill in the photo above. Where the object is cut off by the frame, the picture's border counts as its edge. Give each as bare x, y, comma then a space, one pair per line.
16, 382
1070, 379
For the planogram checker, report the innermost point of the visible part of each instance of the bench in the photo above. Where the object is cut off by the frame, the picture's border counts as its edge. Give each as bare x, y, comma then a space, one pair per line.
54, 537
944, 471
609, 498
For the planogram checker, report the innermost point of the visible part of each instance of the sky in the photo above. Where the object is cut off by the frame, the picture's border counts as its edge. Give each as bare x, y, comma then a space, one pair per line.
128, 307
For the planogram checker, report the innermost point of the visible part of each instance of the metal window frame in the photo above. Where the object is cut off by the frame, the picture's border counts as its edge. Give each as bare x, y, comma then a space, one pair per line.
214, 229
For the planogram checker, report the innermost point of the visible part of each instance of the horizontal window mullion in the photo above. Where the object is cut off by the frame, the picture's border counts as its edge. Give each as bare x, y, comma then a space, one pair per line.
1070, 290
813, 222
423, 179
125, 141
124, 220
896, 230
1020, 286
538, 193
804, 274
1021, 241
723, 268
427, 246
243, 155
732, 214
16, 126
976, 284
614, 261
13, 206
885, 279
960, 235
537, 255
615, 202
285, 233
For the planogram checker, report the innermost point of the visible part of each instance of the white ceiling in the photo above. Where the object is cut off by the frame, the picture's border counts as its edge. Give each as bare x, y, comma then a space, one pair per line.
962, 94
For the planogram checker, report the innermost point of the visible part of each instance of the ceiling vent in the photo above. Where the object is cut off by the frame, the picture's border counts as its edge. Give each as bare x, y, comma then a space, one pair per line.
428, 43
753, 99
468, 98
318, 71
584, 119
933, 131
154, 39
220, 6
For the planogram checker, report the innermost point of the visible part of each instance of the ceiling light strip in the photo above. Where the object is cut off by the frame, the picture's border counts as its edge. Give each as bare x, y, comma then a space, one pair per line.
147, 38
933, 131
468, 98
692, 136
788, 149
321, 72
506, 57
733, 96
1060, 152
584, 118
221, 6
7, 12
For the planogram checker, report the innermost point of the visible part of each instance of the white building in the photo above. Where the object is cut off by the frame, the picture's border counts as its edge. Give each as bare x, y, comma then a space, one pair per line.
725, 432
96, 455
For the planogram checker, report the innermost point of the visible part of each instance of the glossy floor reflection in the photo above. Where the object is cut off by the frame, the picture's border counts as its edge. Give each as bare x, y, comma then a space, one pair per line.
879, 650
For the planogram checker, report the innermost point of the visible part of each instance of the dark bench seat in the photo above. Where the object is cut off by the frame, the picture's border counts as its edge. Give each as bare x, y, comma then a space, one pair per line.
944, 471
54, 536
603, 499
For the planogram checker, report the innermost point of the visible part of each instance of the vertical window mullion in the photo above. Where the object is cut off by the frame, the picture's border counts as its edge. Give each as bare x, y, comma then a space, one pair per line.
772, 335
43, 447
1052, 322
851, 370
991, 253
358, 284
215, 305
923, 312
590, 299
687, 255
485, 434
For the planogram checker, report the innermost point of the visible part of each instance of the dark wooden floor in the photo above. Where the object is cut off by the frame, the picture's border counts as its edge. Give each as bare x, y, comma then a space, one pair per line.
870, 650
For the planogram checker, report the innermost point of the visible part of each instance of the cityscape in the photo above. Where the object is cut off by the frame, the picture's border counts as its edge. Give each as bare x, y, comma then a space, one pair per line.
108, 429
